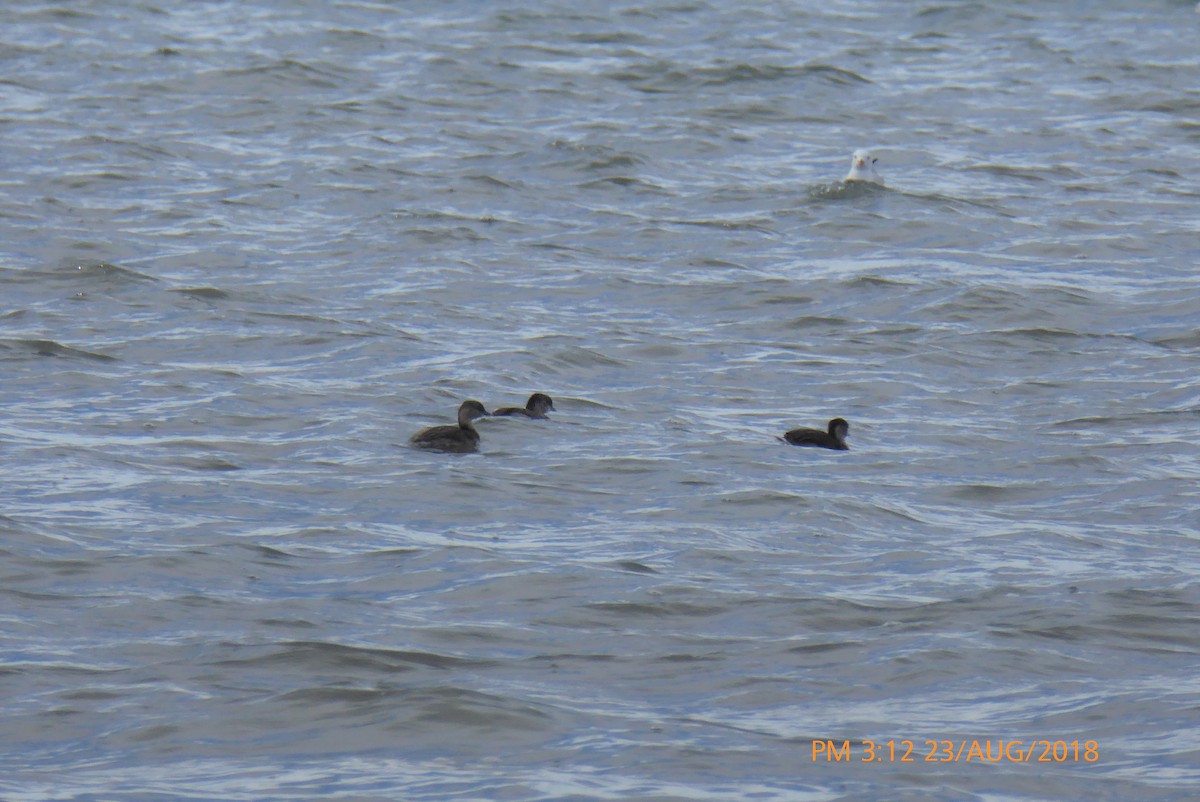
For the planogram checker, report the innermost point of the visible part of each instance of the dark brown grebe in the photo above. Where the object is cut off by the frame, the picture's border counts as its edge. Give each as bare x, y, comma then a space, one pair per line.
459, 439
835, 438
536, 407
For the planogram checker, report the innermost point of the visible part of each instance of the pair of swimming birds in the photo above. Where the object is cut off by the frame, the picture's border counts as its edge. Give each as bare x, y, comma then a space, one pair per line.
463, 438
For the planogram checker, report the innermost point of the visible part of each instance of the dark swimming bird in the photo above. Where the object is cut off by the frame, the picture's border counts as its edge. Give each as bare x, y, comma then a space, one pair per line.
459, 439
835, 438
536, 407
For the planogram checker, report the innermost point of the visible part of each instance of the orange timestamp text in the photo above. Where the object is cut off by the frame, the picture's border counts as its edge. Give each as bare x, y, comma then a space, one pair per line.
955, 751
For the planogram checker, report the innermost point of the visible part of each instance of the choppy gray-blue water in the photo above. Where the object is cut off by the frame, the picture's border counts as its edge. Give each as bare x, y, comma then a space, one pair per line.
248, 248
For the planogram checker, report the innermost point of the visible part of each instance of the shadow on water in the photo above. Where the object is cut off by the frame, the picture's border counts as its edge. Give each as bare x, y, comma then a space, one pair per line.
845, 190
842, 191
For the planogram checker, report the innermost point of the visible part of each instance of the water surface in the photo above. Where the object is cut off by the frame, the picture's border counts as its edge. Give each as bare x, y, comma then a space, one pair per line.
249, 248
